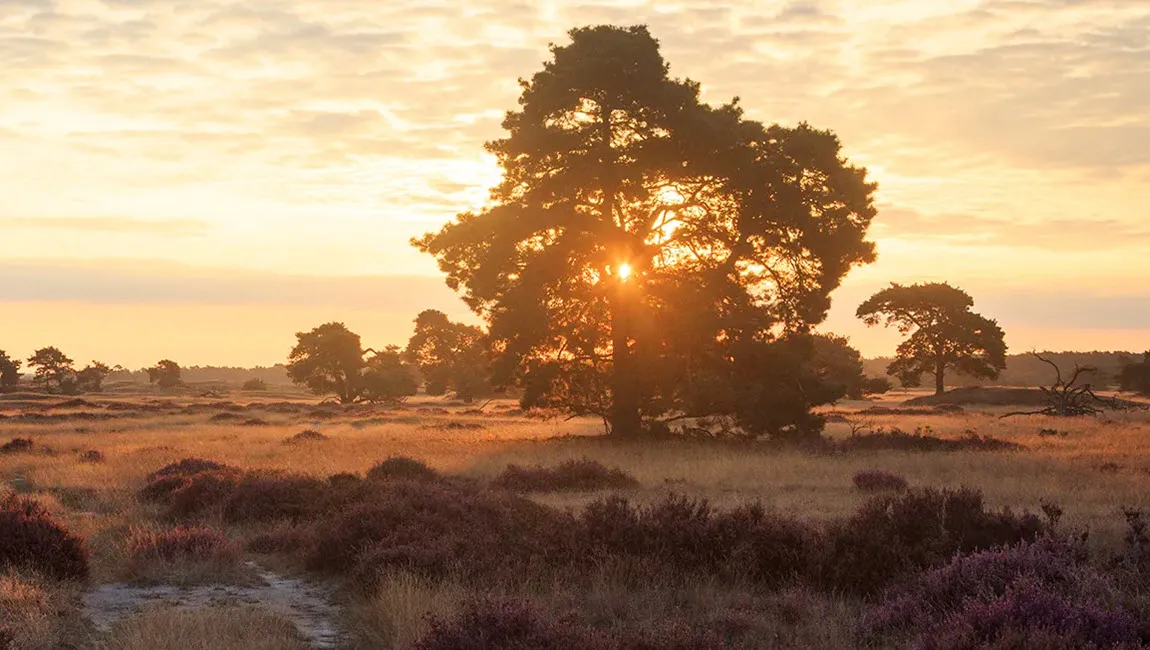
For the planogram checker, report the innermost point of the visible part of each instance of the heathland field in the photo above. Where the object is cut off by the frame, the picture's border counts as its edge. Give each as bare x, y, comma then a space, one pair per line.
436, 524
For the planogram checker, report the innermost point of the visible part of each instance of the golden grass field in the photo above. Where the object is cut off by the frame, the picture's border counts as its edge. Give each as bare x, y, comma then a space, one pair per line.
1093, 468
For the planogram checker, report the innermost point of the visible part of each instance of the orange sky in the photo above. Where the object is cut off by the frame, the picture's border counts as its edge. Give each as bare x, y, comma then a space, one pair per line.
201, 180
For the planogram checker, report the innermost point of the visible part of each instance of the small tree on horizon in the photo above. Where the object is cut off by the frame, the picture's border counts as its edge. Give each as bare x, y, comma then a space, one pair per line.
91, 378
944, 334
165, 374
53, 368
9, 371
449, 356
328, 360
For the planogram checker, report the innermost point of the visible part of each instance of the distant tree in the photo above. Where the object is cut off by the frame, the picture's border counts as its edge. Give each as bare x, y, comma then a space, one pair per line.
9, 371
53, 368
449, 356
875, 386
255, 384
165, 374
91, 378
329, 361
641, 241
943, 333
1135, 376
387, 378
838, 365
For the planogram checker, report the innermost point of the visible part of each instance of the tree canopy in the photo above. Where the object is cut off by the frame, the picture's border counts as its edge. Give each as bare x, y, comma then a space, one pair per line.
1135, 375
165, 374
450, 356
643, 247
944, 334
329, 360
53, 368
9, 371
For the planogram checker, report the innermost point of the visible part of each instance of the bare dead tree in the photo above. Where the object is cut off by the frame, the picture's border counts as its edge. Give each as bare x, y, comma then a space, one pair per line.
1068, 398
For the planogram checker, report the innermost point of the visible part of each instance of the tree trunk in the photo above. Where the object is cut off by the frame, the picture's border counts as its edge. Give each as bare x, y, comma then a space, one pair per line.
939, 385
624, 419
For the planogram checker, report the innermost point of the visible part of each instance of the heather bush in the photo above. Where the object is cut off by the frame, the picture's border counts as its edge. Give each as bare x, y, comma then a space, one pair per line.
185, 467
197, 494
878, 480
401, 468
94, 456
268, 496
898, 533
16, 446
435, 528
30, 539
921, 440
571, 476
505, 625
344, 480
180, 544
305, 436
287, 539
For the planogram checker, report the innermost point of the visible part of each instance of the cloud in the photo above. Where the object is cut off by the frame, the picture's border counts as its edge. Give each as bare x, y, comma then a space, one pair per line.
1055, 234
169, 227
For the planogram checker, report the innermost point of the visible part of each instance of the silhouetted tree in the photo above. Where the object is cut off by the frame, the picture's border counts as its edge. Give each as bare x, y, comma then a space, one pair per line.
944, 332
165, 374
387, 378
91, 378
838, 365
1135, 376
449, 356
328, 360
53, 368
9, 371
641, 241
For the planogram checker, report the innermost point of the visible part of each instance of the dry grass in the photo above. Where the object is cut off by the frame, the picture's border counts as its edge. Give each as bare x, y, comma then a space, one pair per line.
1091, 468
212, 628
34, 614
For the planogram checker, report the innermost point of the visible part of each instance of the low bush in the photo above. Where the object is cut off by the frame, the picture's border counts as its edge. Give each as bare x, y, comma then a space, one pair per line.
186, 467
1035, 594
921, 440
226, 417
505, 625
878, 480
571, 476
895, 534
180, 544
288, 539
401, 468
30, 539
16, 446
305, 436
269, 496
94, 456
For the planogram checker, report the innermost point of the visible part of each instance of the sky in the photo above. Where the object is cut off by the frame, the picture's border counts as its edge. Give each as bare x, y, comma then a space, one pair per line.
201, 180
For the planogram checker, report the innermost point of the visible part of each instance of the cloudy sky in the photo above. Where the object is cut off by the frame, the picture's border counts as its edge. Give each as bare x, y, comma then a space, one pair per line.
202, 179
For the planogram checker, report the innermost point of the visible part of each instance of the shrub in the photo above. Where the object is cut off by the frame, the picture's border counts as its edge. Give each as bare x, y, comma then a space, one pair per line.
254, 384
344, 480
31, 539
307, 435
180, 544
17, 445
680, 535
898, 533
571, 476
504, 625
435, 528
877, 480
921, 440
92, 456
268, 496
254, 422
282, 540
402, 468
1038, 594
186, 467
226, 417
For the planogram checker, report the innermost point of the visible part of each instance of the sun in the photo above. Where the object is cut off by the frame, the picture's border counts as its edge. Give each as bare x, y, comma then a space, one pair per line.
624, 271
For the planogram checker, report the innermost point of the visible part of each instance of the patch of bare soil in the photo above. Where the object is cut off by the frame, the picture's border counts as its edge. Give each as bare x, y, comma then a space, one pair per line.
307, 605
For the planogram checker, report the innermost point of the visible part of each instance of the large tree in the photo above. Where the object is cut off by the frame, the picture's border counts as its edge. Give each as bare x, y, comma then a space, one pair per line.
641, 238
53, 368
91, 378
165, 374
9, 371
329, 360
944, 334
450, 356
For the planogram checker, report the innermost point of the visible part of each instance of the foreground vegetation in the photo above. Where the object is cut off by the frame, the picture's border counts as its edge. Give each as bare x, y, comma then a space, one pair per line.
438, 523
